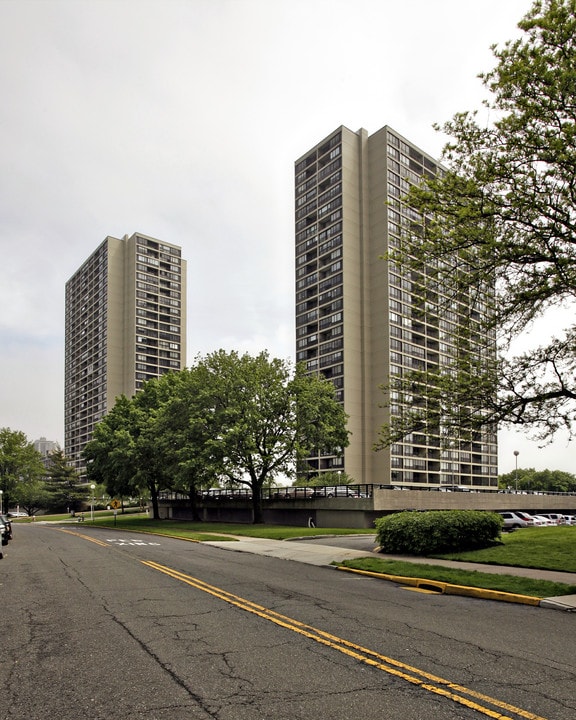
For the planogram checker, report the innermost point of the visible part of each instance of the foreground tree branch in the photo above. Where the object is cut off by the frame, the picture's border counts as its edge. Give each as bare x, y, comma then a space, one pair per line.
505, 212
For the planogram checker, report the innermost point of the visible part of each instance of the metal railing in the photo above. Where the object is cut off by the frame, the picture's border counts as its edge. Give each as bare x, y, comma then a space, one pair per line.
330, 491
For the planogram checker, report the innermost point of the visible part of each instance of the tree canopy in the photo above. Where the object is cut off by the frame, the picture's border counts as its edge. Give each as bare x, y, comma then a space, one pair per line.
62, 485
125, 453
239, 418
531, 480
503, 216
20, 464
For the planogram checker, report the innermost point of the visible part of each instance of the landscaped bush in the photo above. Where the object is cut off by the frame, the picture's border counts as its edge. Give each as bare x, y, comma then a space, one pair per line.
437, 531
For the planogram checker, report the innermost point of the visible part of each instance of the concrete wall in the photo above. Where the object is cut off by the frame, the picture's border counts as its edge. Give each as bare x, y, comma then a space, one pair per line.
361, 513
395, 500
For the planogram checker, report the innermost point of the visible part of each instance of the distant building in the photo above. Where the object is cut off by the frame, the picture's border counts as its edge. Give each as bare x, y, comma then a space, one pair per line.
361, 320
45, 447
125, 324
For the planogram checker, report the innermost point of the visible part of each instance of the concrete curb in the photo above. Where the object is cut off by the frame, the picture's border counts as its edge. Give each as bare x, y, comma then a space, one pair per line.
449, 589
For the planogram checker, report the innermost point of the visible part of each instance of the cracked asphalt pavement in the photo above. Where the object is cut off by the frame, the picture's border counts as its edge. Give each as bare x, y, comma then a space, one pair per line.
100, 626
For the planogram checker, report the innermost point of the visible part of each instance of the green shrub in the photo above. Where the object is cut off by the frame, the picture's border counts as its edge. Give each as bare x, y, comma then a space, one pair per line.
437, 531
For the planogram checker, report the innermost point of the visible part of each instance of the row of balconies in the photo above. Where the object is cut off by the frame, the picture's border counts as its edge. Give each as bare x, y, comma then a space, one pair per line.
323, 156
433, 465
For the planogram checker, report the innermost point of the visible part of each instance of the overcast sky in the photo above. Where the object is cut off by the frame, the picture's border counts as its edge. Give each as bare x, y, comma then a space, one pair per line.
182, 119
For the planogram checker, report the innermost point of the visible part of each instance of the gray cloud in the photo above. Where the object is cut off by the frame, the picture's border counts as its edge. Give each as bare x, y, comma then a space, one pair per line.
182, 120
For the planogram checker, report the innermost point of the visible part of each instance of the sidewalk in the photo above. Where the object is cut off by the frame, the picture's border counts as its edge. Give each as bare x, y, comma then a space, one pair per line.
317, 554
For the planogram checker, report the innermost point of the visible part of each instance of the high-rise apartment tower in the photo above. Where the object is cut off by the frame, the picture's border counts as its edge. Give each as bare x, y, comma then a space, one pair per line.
361, 320
125, 324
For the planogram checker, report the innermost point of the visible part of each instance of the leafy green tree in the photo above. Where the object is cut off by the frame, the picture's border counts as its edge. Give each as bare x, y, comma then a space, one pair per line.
532, 480
150, 450
503, 216
19, 463
125, 452
110, 452
266, 417
31, 496
185, 427
522, 480
553, 481
63, 484
241, 419
331, 478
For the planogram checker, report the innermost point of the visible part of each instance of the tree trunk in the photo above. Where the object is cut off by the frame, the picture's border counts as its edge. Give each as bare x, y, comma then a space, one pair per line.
154, 498
257, 514
194, 505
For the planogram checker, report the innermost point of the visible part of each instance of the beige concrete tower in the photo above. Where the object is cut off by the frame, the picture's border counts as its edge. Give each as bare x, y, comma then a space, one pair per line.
357, 316
125, 323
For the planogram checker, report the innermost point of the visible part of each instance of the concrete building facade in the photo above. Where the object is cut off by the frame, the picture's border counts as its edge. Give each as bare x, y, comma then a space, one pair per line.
45, 447
360, 319
125, 323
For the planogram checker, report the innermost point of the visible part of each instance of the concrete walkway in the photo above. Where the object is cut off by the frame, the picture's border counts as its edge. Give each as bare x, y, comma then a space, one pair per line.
317, 554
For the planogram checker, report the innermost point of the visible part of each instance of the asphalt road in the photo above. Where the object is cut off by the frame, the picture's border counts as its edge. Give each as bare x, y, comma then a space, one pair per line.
101, 625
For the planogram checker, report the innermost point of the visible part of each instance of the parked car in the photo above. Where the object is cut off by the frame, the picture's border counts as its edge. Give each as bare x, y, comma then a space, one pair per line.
512, 521
8, 524
570, 519
536, 520
555, 517
337, 491
4, 534
292, 492
17, 514
544, 520
454, 488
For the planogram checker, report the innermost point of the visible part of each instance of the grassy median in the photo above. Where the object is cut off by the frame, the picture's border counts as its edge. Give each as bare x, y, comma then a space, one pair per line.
546, 548
206, 530
476, 579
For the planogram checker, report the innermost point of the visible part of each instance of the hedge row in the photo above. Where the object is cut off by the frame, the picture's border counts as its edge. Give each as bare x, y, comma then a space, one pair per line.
437, 531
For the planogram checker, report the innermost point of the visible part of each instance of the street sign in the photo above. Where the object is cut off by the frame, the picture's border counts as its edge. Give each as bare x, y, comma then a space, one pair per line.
115, 504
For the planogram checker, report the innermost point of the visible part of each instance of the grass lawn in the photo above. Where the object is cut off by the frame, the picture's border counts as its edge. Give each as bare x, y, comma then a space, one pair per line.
454, 576
546, 548
205, 530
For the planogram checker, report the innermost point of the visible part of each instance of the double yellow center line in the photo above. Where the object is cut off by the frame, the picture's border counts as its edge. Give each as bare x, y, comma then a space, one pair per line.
86, 537
484, 704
